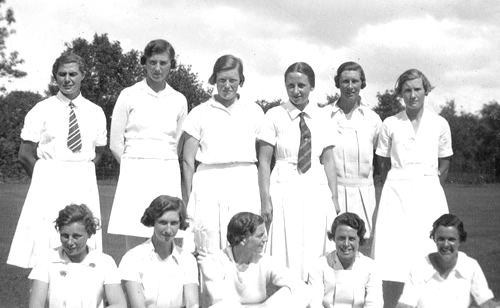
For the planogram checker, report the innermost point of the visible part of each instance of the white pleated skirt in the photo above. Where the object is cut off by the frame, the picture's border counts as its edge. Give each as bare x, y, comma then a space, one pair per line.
53, 186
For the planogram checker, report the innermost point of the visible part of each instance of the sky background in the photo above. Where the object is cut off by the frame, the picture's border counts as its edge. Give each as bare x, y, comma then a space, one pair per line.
455, 43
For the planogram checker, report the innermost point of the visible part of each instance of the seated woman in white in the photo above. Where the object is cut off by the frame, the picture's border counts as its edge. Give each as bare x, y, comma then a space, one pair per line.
74, 275
240, 276
447, 277
345, 277
158, 273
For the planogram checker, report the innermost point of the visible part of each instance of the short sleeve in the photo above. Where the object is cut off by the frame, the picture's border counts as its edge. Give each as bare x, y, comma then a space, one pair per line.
384, 140
267, 130
41, 270
183, 111
118, 124
101, 133
316, 283
374, 294
445, 147
192, 124
33, 125
128, 268
111, 273
378, 126
190, 269
410, 294
479, 286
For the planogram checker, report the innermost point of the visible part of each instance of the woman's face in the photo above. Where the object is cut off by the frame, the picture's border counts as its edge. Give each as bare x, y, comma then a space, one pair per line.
257, 241
413, 93
298, 88
157, 67
166, 226
346, 242
74, 238
447, 242
227, 84
350, 85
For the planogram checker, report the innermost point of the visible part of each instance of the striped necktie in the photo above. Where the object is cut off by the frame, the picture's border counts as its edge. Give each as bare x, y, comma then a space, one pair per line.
304, 160
74, 138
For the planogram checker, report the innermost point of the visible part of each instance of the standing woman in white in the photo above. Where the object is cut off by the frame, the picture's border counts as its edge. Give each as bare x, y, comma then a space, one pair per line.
299, 198
221, 134
358, 127
63, 140
415, 145
145, 130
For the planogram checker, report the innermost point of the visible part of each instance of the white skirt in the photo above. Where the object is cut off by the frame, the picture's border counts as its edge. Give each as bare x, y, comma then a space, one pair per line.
140, 182
407, 210
53, 186
303, 212
219, 192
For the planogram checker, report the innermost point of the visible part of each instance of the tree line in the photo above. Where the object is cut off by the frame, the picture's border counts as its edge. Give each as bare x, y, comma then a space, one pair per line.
476, 137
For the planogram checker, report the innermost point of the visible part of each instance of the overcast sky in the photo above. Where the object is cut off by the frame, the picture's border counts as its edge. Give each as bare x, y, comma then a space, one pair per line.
455, 43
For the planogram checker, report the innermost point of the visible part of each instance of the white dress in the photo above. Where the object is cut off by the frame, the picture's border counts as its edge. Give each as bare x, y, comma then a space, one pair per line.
60, 176
412, 197
303, 209
144, 133
354, 161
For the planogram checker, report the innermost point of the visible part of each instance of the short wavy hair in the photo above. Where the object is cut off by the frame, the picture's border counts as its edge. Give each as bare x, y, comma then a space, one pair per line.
449, 220
303, 68
241, 226
156, 47
350, 66
69, 57
351, 220
78, 213
410, 75
226, 63
162, 204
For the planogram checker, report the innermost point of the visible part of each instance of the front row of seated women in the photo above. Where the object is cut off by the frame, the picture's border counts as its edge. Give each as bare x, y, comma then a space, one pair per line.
158, 273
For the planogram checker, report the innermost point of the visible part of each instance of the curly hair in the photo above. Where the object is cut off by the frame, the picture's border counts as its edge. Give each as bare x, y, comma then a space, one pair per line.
449, 220
351, 220
162, 204
69, 57
78, 213
241, 226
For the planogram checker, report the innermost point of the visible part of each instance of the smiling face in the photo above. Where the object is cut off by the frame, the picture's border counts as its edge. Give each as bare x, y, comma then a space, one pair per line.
447, 242
350, 85
74, 238
166, 226
298, 88
69, 79
346, 243
257, 241
157, 68
228, 83
413, 94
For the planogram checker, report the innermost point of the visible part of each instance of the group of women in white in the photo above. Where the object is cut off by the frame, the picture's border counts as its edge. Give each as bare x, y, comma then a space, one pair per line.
278, 204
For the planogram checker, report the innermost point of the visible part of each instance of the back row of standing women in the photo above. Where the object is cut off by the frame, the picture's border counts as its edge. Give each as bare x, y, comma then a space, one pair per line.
323, 162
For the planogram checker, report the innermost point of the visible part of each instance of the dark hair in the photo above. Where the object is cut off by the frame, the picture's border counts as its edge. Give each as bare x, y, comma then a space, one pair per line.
350, 66
162, 204
449, 220
410, 75
68, 57
78, 213
304, 68
241, 226
226, 63
156, 47
351, 220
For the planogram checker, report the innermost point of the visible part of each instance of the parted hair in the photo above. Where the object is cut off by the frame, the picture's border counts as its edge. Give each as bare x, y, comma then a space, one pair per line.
241, 226
351, 220
449, 220
156, 47
350, 66
226, 63
162, 204
78, 213
410, 75
69, 57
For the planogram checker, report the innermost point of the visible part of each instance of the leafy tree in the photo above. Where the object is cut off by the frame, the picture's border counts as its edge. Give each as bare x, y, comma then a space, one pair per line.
8, 61
490, 135
265, 105
388, 104
13, 108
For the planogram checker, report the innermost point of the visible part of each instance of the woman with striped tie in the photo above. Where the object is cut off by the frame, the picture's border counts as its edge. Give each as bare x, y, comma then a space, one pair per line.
299, 198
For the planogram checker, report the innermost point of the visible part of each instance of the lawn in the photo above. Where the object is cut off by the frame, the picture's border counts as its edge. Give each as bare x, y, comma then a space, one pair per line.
477, 206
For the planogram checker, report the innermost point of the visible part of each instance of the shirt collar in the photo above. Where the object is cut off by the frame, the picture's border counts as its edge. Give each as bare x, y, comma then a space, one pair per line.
461, 269
294, 112
334, 262
62, 257
215, 104
358, 108
176, 252
66, 101
167, 91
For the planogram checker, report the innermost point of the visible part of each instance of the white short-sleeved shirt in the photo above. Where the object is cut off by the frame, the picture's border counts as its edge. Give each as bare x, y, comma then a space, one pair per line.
281, 129
47, 124
225, 135
75, 284
162, 281
147, 124
415, 152
425, 288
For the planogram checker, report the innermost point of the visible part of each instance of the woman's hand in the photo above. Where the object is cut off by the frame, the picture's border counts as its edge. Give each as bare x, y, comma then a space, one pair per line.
266, 211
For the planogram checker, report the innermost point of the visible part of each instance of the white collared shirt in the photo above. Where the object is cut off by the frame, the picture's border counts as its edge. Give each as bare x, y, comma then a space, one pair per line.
47, 124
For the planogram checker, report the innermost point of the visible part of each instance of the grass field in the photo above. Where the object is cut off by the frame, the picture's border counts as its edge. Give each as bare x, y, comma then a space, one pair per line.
477, 206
